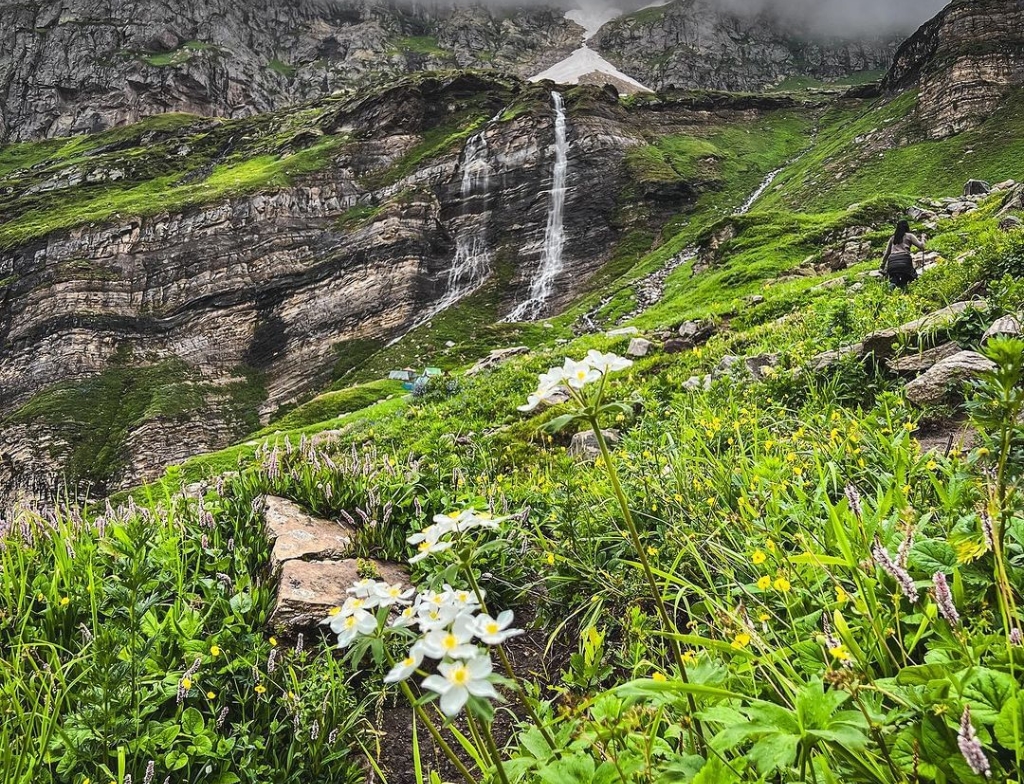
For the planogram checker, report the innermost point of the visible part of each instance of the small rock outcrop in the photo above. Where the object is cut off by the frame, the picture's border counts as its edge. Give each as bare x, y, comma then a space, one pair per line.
1005, 327
923, 332
913, 365
312, 560
585, 447
944, 381
639, 347
497, 357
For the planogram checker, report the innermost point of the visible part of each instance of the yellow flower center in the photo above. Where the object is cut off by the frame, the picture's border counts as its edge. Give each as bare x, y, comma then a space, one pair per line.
492, 628
410, 662
459, 676
451, 642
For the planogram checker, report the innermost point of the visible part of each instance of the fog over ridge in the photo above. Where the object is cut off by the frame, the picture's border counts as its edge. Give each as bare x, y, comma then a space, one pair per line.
841, 18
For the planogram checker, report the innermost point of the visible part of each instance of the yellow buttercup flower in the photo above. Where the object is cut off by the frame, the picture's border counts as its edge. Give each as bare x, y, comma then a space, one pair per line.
741, 640
186, 683
841, 596
273, 642
215, 651
211, 695
764, 583
64, 601
840, 653
764, 617
658, 677
260, 689
782, 584
758, 558
550, 558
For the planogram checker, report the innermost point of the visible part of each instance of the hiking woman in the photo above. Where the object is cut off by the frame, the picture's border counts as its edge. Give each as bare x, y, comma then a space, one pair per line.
897, 263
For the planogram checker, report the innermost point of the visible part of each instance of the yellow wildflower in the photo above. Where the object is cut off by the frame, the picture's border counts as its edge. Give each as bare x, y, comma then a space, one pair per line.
273, 642
840, 653
210, 695
764, 583
260, 689
741, 640
64, 601
764, 617
841, 596
758, 558
770, 545
782, 585
658, 677
186, 683
550, 558
215, 651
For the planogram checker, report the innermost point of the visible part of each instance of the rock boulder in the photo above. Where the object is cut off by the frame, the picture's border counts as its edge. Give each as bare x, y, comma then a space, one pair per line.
944, 381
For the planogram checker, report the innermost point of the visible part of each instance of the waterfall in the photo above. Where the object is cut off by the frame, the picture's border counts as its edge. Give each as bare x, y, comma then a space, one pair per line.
764, 186
472, 256
554, 235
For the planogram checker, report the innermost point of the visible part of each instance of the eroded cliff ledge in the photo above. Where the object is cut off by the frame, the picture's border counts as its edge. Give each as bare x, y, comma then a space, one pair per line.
169, 286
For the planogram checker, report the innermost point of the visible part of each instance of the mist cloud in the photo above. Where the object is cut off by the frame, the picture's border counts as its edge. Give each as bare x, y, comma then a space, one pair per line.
841, 18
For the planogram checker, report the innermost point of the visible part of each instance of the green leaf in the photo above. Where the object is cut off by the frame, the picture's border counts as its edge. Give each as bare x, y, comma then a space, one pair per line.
227, 778
931, 556
774, 752
1009, 735
175, 760
558, 424
192, 721
922, 674
988, 691
568, 770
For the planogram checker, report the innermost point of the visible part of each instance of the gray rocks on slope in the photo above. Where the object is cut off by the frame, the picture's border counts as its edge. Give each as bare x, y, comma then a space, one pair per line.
78, 66
944, 381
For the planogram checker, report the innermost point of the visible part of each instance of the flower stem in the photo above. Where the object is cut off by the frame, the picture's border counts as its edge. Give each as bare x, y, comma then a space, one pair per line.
634, 534
449, 752
492, 747
467, 567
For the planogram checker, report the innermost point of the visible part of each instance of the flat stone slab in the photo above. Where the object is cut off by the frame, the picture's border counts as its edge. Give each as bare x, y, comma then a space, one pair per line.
297, 535
309, 590
915, 364
944, 380
925, 331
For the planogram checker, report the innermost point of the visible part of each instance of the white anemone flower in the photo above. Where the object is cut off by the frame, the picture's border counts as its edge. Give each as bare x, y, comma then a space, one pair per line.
406, 618
433, 533
349, 628
406, 668
389, 594
462, 600
549, 390
459, 680
495, 631
607, 363
363, 588
433, 618
472, 519
426, 548
453, 643
579, 374
354, 604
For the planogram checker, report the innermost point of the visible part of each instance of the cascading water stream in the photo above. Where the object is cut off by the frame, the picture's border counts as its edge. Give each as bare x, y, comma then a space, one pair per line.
472, 255
554, 236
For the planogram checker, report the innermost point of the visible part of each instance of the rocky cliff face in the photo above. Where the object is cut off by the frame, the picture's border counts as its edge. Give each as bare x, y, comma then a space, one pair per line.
168, 286
73, 66
963, 63
694, 44
79, 66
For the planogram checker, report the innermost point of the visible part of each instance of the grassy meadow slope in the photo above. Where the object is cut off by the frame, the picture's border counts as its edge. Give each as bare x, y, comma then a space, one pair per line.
789, 577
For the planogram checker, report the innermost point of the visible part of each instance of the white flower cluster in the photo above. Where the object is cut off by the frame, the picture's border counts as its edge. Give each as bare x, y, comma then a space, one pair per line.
452, 628
575, 375
435, 538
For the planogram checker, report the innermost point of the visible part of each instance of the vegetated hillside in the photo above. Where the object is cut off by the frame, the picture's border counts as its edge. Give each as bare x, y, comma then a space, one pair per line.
167, 288
790, 564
